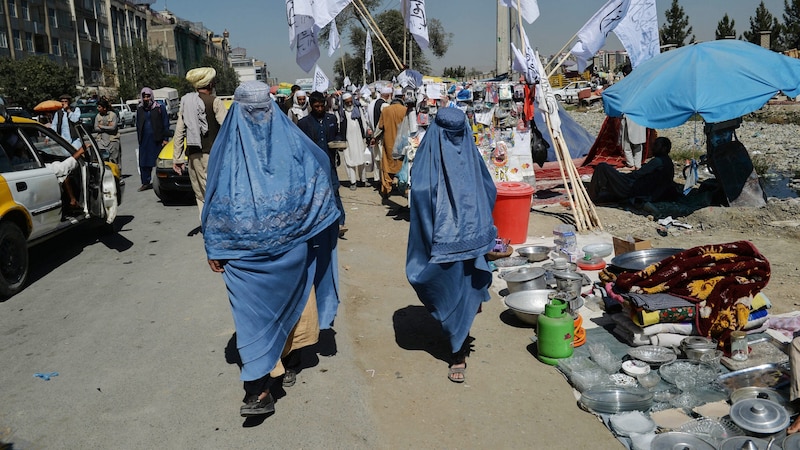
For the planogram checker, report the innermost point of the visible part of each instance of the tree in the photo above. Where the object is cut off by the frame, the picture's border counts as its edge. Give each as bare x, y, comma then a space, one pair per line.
790, 31
33, 79
454, 72
676, 28
764, 21
725, 28
139, 66
391, 24
227, 78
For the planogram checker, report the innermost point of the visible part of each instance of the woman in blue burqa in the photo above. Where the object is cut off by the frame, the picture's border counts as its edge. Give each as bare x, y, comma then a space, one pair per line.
270, 227
451, 230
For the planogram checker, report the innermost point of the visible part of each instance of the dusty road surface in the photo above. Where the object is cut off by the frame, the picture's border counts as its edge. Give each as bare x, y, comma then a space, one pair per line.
140, 330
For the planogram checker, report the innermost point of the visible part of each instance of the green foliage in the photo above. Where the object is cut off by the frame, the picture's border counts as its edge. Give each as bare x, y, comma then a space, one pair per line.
676, 27
352, 69
391, 24
33, 79
764, 21
725, 28
790, 31
455, 72
227, 78
179, 83
139, 66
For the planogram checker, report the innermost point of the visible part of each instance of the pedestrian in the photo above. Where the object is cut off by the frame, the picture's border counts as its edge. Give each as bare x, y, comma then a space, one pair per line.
200, 116
289, 101
65, 120
323, 128
152, 130
352, 128
451, 230
299, 107
106, 125
269, 226
632, 137
391, 117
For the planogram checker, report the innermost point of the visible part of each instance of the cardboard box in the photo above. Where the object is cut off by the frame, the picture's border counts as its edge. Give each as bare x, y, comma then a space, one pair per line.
622, 246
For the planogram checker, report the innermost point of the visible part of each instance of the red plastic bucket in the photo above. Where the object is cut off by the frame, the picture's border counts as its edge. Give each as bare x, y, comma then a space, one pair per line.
512, 209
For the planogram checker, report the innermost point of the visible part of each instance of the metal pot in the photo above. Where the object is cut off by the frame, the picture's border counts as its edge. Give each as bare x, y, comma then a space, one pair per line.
569, 282
694, 347
525, 279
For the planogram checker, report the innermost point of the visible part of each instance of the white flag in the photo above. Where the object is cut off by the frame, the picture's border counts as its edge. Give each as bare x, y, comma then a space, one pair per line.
346, 82
529, 9
592, 36
416, 21
368, 53
547, 101
321, 81
638, 31
333, 39
524, 63
302, 32
326, 10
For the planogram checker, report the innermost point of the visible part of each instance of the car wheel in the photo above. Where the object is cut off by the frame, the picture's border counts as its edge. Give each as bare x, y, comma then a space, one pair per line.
558, 97
13, 259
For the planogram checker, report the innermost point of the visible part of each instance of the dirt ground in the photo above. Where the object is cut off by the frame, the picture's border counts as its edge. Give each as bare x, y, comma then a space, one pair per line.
510, 399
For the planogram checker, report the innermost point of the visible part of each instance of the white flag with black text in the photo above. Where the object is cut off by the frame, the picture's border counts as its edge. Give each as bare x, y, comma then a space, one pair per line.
368, 53
333, 39
524, 62
321, 81
416, 21
592, 36
302, 32
638, 31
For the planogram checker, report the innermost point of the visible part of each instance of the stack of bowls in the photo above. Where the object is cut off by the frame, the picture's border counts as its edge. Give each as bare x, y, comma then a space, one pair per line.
696, 346
612, 400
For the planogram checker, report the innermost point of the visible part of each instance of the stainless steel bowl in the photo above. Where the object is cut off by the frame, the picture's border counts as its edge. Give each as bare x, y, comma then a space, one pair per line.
525, 279
535, 253
527, 305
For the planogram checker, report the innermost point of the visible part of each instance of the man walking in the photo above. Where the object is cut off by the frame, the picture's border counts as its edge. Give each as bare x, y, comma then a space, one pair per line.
352, 128
391, 117
199, 120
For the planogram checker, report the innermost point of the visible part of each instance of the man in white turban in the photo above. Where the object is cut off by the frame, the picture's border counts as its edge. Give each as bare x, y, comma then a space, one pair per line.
199, 119
299, 107
352, 128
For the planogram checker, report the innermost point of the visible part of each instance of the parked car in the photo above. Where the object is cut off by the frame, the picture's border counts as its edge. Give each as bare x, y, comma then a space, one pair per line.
33, 203
569, 93
88, 113
19, 112
168, 185
126, 116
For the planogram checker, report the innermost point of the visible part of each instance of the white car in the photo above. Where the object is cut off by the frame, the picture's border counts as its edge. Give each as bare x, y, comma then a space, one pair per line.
126, 116
569, 93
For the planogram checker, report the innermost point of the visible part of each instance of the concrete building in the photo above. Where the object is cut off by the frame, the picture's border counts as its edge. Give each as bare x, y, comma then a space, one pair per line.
184, 44
248, 69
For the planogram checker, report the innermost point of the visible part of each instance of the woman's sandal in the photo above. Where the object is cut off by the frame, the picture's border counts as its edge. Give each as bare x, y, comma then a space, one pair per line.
452, 371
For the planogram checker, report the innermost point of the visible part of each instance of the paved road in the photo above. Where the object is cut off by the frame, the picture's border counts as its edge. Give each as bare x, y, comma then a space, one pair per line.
138, 329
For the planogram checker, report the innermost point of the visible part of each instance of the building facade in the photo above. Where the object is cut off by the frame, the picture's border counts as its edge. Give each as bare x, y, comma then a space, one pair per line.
248, 69
184, 44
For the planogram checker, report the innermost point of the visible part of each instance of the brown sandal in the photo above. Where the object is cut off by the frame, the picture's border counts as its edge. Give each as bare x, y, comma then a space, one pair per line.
452, 371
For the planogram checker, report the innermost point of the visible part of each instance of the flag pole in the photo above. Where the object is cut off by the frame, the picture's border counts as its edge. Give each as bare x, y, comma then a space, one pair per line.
559, 65
521, 39
364, 12
562, 49
344, 71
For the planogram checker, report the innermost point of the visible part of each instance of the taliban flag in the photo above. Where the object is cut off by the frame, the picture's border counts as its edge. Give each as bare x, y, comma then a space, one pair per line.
524, 63
368, 53
638, 31
416, 21
321, 81
592, 36
333, 39
528, 9
302, 32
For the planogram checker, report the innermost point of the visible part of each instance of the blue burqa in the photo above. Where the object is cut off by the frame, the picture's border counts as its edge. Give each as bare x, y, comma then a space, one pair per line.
451, 229
271, 215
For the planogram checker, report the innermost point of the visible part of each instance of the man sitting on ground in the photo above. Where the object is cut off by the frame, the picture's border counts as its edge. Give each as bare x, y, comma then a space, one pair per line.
653, 182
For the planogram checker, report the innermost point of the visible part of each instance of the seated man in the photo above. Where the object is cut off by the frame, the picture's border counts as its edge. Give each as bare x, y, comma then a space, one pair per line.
653, 182
62, 169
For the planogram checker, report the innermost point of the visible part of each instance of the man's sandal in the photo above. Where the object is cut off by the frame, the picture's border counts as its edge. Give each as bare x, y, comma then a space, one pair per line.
452, 371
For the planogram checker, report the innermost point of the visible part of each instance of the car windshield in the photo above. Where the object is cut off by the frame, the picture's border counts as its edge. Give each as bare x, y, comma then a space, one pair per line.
88, 109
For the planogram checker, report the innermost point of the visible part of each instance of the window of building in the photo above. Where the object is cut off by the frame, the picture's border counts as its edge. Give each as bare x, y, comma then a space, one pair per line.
52, 17
29, 42
3, 39
26, 12
12, 8
17, 40
56, 45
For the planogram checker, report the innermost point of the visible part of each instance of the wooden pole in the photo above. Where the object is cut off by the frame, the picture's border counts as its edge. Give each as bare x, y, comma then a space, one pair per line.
559, 52
558, 65
362, 9
344, 69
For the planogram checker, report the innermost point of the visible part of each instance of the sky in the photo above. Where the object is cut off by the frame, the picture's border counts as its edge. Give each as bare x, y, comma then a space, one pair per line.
260, 27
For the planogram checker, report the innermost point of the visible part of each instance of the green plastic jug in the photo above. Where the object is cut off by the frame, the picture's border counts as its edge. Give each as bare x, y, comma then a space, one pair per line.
555, 333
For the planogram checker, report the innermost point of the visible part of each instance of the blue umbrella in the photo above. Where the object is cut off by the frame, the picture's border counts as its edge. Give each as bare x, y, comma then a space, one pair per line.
720, 80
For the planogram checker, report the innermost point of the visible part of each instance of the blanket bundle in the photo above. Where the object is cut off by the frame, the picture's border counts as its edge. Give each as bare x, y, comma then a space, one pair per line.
720, 280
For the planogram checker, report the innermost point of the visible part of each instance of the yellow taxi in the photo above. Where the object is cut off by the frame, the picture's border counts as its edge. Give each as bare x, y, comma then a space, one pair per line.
169, 186
37, 202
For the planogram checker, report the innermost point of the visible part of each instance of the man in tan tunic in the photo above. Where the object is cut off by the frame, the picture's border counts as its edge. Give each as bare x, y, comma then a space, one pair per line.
391, 118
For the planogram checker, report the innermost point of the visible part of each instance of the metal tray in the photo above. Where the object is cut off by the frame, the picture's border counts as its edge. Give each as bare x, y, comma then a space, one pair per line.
639, 259
764, 349
775, 376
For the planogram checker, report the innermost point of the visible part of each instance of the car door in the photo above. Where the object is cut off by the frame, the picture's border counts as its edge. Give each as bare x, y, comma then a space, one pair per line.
30, 182
99, 183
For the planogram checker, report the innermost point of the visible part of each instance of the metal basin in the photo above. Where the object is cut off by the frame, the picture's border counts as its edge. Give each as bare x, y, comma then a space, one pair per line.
525, 279
527, 305
639, 259
535, 253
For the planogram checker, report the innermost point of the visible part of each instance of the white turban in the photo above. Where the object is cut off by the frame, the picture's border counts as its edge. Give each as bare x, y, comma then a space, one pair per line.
201, 76
346, 96
300, 93
398, 92
386, 90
